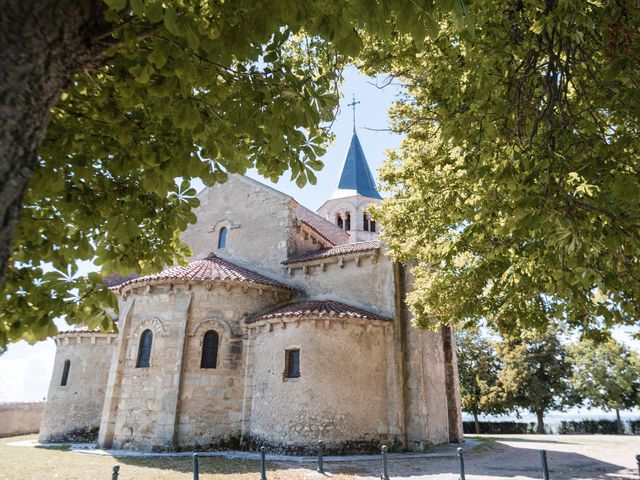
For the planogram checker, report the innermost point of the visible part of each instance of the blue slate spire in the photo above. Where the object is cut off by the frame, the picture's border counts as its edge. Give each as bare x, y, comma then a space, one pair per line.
356, 178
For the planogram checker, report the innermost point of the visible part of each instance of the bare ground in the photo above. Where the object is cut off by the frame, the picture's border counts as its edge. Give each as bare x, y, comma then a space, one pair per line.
496, 457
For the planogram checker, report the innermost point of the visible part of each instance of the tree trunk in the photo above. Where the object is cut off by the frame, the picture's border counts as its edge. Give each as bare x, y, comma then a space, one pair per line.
475, 420
540, 426
619, 423
42, 44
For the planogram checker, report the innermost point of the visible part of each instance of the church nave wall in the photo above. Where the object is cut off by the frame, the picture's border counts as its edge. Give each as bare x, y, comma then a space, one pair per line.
364, 280
256, 218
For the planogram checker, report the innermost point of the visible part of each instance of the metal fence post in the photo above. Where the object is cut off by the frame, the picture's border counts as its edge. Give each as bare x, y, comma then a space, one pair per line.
545, 468
116, 470
320, 456
461, 460
263, 464
638, 462
196, 467
385, 470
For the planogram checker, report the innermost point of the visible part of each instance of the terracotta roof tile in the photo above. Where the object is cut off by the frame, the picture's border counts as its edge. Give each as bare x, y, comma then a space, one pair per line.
116, 279
80, 329
318, 308
207, 269
337, 250
334, 234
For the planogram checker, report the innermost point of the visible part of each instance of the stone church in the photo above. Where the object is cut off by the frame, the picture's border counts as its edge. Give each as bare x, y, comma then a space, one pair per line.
287, 327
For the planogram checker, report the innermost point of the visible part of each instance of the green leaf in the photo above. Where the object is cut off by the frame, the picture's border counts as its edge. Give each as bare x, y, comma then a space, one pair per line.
116, 4
170, 21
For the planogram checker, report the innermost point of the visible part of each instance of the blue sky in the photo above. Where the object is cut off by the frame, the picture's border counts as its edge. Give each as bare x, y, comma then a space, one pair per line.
371, 122
25, 370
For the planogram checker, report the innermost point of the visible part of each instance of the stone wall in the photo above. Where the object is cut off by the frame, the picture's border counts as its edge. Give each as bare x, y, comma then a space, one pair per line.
362, 279
174, 404
72, 412
256, 217
19, 418
340, 396
425, 380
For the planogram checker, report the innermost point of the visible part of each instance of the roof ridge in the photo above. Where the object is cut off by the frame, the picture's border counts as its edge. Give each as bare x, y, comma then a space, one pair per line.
317, 308
353, 247
210, 268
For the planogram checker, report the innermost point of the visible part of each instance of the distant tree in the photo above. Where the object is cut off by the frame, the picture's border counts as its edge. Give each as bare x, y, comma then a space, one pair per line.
535, 374
606, 375
478, 367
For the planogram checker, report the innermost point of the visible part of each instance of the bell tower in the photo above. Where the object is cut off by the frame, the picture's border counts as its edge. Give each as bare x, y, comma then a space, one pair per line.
356, 190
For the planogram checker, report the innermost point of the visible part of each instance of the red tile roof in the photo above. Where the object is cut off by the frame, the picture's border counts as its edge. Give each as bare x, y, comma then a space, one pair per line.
337, 250
318, 308
80, 329
116, 279
327, 230
208, 269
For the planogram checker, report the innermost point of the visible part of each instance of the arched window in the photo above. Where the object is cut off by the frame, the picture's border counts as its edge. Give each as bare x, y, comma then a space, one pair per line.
222, 238
365, 222
339, 221
65, 373
209, 350
347, 221
144, 349
372, 226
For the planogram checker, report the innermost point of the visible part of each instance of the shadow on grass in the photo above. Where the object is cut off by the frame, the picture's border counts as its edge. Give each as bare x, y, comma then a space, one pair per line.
492, 460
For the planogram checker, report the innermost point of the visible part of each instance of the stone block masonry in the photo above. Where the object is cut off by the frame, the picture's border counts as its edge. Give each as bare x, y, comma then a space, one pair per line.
74, 406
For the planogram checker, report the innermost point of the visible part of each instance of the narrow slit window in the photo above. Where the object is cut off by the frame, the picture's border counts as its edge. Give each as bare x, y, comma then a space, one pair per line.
373, 226
209, 350
292, 363
144, 349
365, 222
65, 373
347, 221
222, 238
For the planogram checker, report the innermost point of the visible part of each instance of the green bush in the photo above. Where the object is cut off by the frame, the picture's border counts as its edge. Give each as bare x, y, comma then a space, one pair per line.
499, 427
601, 426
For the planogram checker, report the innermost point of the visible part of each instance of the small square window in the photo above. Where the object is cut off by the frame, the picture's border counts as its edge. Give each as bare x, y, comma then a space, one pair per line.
292, 363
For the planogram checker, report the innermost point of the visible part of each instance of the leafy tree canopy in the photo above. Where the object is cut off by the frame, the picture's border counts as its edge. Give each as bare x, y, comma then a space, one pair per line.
534, 375
478, 367
105, 103
516, 186
606, 375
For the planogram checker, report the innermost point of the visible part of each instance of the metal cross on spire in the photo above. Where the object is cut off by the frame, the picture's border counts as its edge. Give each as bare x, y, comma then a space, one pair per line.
353, 104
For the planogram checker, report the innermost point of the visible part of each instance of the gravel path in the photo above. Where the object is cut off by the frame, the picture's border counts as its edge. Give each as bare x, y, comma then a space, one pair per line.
517, 457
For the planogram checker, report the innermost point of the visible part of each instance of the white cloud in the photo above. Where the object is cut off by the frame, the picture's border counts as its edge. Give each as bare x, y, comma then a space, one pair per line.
25, 371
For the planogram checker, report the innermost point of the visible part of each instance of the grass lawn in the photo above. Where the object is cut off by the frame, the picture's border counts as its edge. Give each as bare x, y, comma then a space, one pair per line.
30, 463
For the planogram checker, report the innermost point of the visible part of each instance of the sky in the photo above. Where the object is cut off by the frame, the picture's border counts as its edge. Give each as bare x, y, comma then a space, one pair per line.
25, 370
